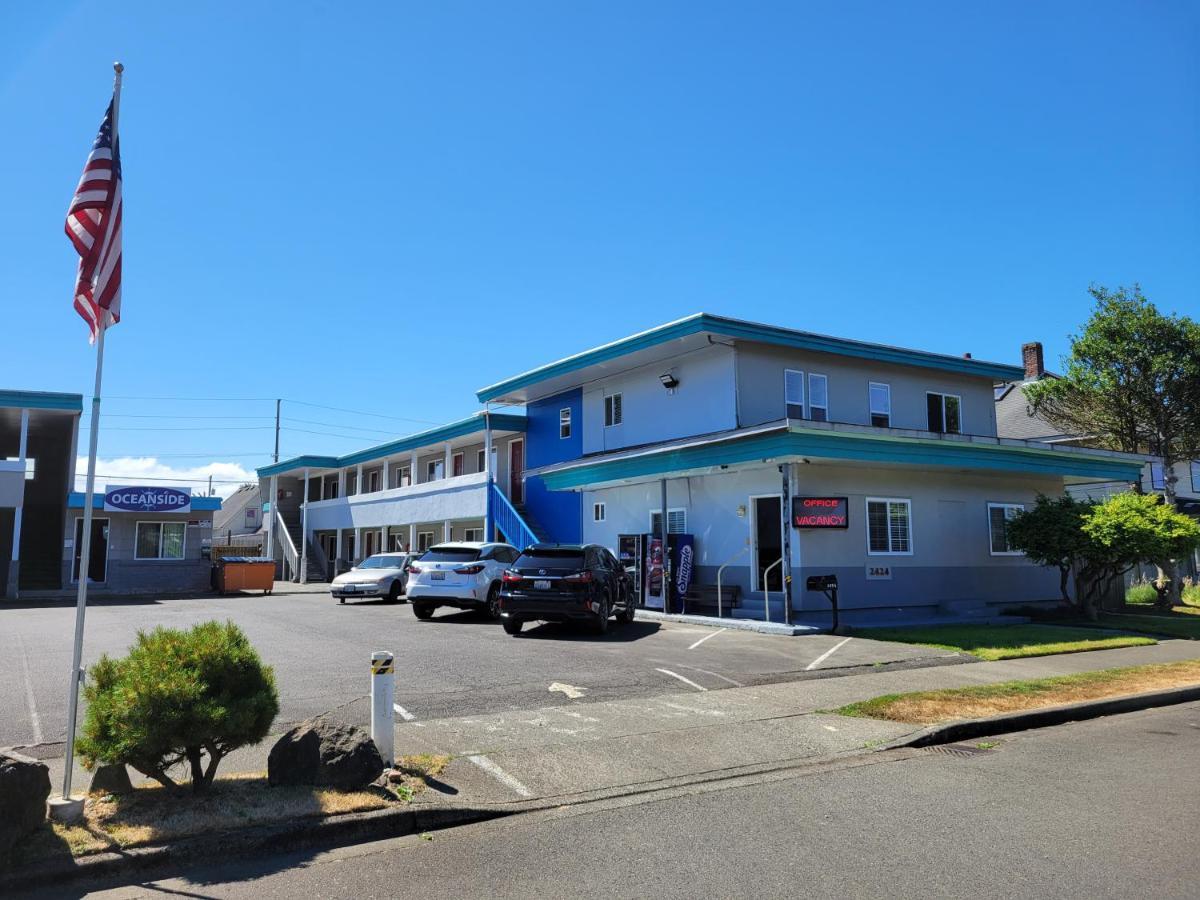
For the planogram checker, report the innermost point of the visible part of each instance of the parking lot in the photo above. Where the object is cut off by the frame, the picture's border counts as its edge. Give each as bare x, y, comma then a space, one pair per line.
456, 664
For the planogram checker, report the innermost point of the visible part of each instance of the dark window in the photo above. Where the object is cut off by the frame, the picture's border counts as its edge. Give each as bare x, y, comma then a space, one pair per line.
945, 413
450, 554
552, 559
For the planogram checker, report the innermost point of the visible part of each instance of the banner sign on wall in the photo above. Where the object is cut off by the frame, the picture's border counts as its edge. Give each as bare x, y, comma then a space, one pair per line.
148, 499
820, 512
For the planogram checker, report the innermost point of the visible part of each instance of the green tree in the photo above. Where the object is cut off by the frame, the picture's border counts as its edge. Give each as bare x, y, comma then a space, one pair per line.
178, 696
1130, 529
1051, 534
1132, 383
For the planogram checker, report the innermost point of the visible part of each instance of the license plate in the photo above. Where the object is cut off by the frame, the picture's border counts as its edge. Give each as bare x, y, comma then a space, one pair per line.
349, 589
437, 576
541, 585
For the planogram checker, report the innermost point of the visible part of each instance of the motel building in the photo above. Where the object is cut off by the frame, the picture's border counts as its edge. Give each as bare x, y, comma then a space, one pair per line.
776, 454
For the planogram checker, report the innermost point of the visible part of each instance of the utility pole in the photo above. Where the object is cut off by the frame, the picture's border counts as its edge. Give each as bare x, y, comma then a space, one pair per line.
278, 403
210, 493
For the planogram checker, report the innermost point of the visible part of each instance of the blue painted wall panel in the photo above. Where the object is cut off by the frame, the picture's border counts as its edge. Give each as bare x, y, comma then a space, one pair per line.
558, 512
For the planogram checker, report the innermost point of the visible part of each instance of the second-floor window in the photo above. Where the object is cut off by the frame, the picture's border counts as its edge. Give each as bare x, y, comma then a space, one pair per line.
403, 476
793, 393
818, 397
564, 423
1157, 479
881, 404
372, 482
945, 413
460, 464
612, 410
1196, 476
351, 483
481, 461
435, 470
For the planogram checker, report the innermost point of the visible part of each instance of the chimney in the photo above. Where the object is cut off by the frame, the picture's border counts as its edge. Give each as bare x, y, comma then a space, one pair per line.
966, 356
1035, 366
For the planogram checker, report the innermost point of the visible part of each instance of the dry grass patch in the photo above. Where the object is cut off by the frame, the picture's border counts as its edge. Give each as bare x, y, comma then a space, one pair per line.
935, 707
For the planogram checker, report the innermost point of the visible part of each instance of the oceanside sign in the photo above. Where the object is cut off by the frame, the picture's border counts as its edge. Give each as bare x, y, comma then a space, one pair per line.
820, 512
148, 499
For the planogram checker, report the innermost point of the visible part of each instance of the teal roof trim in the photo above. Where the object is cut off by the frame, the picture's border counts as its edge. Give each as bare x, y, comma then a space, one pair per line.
752, 331
199, 504
41, 400
471, 425
827, 445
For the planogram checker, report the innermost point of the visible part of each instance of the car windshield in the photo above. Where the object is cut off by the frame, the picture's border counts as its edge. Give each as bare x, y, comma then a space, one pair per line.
450, 554
381, 562
552, 558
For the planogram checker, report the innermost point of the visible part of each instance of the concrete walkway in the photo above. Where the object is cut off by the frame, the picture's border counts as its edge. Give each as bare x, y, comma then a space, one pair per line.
578, 748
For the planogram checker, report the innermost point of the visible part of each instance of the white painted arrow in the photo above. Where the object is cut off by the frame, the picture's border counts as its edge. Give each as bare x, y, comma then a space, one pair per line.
569, 689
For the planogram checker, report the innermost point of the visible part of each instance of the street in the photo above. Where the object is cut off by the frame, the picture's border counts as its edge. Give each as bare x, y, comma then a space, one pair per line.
457, 664
1096, 809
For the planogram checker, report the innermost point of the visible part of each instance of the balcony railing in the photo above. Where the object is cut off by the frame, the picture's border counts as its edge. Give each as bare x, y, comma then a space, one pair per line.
508, 520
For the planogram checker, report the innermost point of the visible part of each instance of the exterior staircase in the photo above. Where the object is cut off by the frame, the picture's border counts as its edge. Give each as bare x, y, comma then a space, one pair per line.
539, 531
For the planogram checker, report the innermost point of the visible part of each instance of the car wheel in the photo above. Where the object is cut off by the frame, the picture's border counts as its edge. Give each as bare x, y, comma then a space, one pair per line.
393, 594
422, 610
628, 611
600, 626
513, 626
493, 602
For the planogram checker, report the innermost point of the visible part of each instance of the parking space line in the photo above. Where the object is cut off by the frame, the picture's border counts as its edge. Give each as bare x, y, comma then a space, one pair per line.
500, 775
403, 713
687, 681
705, 638
29, 701
725, 678
824, 656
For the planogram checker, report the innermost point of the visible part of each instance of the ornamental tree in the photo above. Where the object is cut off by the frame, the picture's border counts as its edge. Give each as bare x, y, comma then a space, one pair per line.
1051, 534
179, 696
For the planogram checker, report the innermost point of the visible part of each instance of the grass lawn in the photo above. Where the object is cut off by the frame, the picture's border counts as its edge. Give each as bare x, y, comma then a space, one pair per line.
1181, 622
933, 707
993, 642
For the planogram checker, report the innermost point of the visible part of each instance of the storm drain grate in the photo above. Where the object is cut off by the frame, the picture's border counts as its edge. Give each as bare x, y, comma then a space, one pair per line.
963, 750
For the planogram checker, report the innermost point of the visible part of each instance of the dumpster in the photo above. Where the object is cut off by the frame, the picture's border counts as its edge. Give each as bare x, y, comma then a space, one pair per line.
245, 573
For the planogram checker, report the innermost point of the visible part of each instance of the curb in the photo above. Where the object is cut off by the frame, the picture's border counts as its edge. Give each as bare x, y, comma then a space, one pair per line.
645, 615
284, 836
951, 732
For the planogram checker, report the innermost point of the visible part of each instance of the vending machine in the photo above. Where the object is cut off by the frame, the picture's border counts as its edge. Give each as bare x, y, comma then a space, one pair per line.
680, 558
629, 552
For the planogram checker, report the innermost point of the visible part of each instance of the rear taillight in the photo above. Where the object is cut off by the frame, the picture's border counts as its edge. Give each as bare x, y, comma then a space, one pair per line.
510, 576
469, 570
583, 577
413, 570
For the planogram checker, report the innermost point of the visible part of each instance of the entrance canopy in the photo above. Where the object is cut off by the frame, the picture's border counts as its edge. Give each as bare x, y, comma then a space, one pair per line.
803, 441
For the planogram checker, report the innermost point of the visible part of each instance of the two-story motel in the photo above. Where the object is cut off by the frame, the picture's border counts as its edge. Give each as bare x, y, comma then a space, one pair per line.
740, 431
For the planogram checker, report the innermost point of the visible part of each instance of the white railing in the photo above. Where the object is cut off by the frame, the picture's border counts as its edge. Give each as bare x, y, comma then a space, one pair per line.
767, 589
290, 556
722, 569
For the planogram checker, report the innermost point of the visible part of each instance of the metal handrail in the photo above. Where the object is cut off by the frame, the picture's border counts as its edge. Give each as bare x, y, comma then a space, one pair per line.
767, 589
722, 569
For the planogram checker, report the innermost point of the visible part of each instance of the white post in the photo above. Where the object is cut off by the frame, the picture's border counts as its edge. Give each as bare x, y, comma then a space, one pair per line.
413, 476
383, 547
383, 692
22, 447
339, 551
358, 482
448, 465
274, 516
489, 531
304, 533
341, 476
446, 530
412, 537
358, 548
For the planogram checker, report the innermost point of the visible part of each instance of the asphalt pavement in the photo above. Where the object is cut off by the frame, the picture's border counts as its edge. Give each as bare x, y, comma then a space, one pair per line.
457, 664
1097, 809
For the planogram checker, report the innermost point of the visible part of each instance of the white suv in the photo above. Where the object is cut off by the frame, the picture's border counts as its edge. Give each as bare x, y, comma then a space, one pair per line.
462, 574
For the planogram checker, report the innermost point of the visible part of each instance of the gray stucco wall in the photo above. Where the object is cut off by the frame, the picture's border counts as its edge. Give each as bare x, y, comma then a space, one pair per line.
760, 371
125, 574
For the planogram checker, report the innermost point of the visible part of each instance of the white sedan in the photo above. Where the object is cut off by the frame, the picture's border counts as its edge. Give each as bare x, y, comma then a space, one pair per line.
382, 575
462, 574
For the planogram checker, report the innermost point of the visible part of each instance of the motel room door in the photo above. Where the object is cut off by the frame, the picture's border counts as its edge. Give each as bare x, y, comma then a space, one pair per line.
516, 472
768, 542
98, 567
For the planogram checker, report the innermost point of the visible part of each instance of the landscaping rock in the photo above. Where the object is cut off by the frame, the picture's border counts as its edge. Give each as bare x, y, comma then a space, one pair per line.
24, 787
111, 779
326, 754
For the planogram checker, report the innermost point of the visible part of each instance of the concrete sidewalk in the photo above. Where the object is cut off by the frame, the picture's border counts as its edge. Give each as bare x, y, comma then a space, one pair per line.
578, 748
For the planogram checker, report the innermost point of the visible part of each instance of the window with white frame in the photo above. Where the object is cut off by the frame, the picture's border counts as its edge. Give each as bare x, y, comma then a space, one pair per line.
159, 540
818, 397
424, 541
403, 476
435, 470
881, 404
598, 512
472, 534
373, 481
351, 482
945, 412
793, 393
481, 461
1157, 479
612, 410
459, 463
889, 526
676, 521
999, 515
564, 423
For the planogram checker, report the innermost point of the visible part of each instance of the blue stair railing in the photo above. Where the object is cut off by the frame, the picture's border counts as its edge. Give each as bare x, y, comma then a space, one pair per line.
508, 520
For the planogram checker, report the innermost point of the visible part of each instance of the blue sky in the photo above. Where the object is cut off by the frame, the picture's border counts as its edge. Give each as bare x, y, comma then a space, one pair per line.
384, 207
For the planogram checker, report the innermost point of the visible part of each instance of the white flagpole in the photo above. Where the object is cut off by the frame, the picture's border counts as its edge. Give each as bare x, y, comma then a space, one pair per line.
85, 549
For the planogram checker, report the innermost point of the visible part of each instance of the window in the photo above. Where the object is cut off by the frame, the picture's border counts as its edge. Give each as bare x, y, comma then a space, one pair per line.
1196, 476
612, 410
564, 422
251, 517
459, 462
881, 404
481, 461
888, 527
403, 476
818, 397
944, 413
30, 466
793, 393
329, 490
424, 541
372, 482
999, 515
435, 470
1156, 476
472, 534
598, 512
676, 521
159, 540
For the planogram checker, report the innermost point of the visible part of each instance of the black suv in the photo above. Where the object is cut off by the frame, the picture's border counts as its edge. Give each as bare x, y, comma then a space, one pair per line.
566, 583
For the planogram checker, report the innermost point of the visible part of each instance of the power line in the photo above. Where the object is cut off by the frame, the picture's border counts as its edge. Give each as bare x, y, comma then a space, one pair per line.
109, 415
356, 412
169, 454
340, 425
187, 428
129, 477
199, 399
349, 437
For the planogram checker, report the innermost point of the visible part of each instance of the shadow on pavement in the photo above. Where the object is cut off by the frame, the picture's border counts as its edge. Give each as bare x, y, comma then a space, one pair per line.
617, 632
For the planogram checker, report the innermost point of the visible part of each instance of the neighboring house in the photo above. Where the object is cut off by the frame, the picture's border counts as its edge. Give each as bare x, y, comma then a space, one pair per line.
1015, 418
777, 453
241, 516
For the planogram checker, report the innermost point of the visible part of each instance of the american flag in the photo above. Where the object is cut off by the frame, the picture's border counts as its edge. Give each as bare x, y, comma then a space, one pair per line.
94, 227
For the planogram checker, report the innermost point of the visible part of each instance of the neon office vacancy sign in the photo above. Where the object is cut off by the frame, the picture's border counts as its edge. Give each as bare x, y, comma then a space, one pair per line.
820, 512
